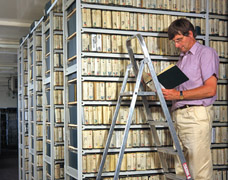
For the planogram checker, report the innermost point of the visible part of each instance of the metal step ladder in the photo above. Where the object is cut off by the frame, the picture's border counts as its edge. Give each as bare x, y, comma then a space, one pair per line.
139, 91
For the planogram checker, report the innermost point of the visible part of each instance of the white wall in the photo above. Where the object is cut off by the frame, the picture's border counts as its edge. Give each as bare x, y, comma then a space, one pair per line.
7, 99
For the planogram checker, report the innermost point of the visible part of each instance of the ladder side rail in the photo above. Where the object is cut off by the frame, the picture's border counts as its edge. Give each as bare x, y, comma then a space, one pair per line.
113, 124
131, 55
144, 99
148, 113
168, 117
135, 68
155, 135
164, 107
160, 94
129, 121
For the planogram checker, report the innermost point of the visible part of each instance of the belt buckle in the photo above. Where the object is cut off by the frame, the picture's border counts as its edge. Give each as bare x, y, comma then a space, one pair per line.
183, 107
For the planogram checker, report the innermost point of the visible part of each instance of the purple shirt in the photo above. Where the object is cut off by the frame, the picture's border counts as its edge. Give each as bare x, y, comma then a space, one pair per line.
199, 64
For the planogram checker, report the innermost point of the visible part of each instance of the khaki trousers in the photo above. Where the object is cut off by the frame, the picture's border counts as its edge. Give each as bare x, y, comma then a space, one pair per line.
194, 126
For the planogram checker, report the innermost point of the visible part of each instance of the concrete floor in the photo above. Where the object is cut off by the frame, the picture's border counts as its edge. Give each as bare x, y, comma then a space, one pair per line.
9, 164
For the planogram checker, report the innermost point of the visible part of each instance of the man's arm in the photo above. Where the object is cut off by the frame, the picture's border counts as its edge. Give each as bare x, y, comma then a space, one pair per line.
207, 90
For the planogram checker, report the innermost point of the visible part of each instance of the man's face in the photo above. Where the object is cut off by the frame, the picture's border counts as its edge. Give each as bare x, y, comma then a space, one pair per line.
183, 43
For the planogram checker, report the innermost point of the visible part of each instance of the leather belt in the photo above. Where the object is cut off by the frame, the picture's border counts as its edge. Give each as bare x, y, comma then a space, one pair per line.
187, 106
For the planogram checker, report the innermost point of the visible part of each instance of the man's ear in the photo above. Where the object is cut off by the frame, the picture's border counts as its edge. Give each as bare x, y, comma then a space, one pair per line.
190, 34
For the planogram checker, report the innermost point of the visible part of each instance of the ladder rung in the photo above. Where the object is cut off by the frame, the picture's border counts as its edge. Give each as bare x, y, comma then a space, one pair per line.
174, 176
168, 150
158, 123
130, 93
146, 93
141, 93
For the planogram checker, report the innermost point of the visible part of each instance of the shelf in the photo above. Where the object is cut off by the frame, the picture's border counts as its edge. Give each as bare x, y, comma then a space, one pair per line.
114, 103
59, 106
72, 172
59, 124
58, 143
121, 32
118, 126
217, 145
56, 51
106, 79
221, 103
222, 124
140, 10
220, 167
68, 4
71, 69
31, 151
129, 33
125, 173
46, 80
46, 28
47, 159
39, 48
31, 87
216, 16
223, 81
218, 38
223, 60
58, 88
117, 150
138, 56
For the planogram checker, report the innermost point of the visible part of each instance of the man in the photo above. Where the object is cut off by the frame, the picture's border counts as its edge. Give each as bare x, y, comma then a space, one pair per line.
192, 101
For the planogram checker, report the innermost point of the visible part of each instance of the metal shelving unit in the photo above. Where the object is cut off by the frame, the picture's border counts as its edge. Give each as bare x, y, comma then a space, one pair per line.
23, 112
35, 104
52, 93
76, 172
72, 84
68, 116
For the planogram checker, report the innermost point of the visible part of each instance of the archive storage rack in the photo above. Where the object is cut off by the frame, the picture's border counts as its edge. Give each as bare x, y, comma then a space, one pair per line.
23, 151
35, 124
72, 127
83, 70
90, 88
218, 39
85, 109
52, 48
32, 67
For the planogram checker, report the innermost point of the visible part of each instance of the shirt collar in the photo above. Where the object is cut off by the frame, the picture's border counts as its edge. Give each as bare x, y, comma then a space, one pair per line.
192, 50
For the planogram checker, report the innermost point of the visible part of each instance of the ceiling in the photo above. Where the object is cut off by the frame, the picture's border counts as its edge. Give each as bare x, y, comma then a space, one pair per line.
16, 16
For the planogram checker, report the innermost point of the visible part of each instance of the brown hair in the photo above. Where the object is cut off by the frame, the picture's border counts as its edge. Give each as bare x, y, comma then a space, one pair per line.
180, 26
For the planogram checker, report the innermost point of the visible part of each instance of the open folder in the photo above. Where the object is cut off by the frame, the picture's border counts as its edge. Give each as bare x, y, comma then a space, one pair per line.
171, 77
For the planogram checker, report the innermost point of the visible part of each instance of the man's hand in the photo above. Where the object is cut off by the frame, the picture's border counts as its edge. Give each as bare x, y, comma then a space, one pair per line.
171, 94
208, 89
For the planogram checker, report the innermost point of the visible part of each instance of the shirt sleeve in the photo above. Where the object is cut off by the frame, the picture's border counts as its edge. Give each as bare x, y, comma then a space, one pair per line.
209, 63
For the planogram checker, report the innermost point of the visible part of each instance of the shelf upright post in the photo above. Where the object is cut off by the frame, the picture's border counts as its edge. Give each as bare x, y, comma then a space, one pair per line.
20, 93
44, 100
80, 108
52, 106
30, 95
207, 24
66, 118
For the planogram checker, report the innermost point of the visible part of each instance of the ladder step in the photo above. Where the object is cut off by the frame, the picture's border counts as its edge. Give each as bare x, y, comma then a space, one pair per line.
158, 123
174, 176
168, 150
141, 93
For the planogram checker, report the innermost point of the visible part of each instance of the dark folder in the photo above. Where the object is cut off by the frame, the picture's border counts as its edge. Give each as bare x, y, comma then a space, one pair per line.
171, 77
